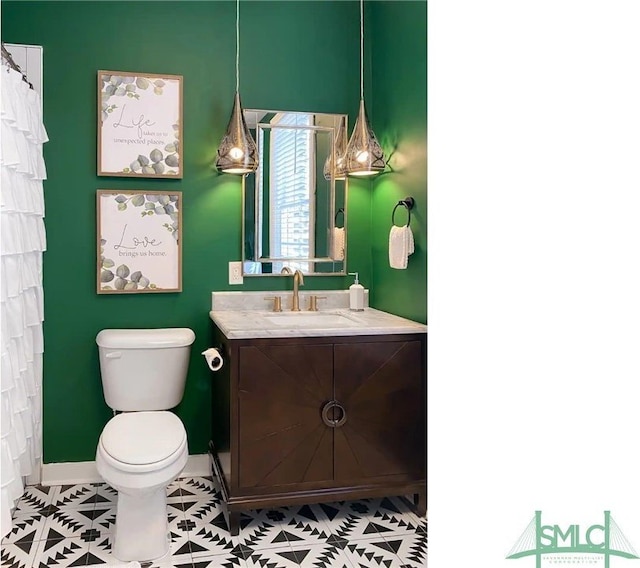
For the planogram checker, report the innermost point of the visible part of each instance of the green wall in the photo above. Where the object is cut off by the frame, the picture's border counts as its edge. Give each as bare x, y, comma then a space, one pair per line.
398, 106
294, 55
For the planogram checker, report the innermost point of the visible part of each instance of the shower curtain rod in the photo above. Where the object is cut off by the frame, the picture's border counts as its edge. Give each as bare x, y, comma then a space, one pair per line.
6, 56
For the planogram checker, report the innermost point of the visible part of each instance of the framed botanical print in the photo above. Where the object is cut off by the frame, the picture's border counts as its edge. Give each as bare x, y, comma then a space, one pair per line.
139, 245
139, 125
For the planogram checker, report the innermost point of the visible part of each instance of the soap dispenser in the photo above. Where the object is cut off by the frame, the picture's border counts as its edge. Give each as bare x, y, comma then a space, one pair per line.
356, 294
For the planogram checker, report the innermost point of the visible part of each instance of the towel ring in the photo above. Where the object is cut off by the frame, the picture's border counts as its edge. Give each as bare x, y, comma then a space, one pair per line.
335, 219
407, 202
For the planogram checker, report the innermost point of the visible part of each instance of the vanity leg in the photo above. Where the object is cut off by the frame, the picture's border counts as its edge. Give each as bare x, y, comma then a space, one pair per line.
234, 523
420, 502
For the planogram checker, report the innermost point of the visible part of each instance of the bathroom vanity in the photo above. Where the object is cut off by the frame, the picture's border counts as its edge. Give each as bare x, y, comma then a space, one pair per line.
316, 406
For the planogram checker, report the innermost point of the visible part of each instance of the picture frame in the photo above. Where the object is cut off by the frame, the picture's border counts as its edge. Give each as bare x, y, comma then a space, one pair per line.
139, 241
139, 125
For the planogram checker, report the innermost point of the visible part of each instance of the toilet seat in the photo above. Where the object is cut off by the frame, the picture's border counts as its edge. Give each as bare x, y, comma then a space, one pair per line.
143, 441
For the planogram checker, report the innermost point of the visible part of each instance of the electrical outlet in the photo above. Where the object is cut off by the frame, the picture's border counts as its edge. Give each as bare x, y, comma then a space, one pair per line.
235, 272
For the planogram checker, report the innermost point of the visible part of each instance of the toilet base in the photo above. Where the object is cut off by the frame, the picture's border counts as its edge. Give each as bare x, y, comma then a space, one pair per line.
141, 531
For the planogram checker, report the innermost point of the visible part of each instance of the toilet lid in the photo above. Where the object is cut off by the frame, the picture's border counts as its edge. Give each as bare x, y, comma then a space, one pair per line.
140, 438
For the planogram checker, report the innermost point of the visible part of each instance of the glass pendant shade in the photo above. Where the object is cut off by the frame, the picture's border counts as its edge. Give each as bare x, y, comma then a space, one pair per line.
364, 156
339, 149
237, 153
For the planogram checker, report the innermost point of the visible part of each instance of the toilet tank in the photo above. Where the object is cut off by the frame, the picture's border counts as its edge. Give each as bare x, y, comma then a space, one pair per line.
144, 369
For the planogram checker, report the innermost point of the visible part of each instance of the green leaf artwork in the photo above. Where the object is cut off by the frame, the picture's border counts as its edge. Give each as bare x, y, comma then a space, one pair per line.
157, 162
123, 279
138, 129
125, 262
117, 86
151, 204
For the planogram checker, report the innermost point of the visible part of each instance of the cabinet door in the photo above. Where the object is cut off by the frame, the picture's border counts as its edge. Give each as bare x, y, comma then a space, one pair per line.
381, 386
282, 439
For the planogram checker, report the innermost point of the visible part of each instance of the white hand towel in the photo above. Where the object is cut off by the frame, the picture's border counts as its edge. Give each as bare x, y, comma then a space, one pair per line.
410, 243
401, 245
398, 247
337, 246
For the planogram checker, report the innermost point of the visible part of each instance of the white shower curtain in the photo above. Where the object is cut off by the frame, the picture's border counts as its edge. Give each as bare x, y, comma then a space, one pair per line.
22, 241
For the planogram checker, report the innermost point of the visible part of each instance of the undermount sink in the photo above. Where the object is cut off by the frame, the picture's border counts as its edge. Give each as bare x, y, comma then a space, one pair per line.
315, 320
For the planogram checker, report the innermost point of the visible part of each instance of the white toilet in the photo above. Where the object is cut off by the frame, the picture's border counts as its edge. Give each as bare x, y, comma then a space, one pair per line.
144, 448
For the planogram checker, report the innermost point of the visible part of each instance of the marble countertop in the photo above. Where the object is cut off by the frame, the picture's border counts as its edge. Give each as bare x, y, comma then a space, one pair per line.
242, 315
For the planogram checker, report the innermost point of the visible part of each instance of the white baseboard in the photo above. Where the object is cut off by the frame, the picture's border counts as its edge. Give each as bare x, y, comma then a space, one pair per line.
68, 473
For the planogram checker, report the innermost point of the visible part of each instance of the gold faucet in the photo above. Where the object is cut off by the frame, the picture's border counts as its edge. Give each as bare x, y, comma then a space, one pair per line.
298, 280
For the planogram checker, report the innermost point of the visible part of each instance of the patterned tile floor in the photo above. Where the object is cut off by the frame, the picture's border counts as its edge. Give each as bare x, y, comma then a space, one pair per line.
72, 525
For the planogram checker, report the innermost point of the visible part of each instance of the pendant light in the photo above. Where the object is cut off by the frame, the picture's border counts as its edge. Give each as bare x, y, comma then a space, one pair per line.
339, 149
364, 156
237, 153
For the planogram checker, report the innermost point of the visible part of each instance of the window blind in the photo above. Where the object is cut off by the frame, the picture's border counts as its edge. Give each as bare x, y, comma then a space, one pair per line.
292, 187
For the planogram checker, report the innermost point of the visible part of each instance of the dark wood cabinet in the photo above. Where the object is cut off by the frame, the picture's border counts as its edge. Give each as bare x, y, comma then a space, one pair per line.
281, 439
317, 419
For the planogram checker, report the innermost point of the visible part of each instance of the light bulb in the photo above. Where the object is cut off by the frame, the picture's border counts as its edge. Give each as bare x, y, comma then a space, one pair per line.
362, 156
236, 153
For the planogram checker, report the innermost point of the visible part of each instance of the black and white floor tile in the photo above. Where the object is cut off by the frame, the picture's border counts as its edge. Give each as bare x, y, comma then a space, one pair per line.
72, 525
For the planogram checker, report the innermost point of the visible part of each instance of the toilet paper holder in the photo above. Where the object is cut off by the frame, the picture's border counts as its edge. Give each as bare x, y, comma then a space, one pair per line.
214, 358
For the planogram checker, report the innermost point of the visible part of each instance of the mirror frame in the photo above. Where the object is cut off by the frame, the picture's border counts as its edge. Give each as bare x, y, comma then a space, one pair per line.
332, 216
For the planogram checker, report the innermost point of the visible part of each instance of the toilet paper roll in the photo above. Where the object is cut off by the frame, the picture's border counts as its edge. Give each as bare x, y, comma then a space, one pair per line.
214, 358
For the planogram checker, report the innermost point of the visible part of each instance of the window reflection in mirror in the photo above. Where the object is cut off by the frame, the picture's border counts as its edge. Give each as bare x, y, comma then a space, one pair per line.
293, 216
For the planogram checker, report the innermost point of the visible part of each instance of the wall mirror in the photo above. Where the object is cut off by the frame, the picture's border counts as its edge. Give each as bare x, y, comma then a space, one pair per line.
295, 210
